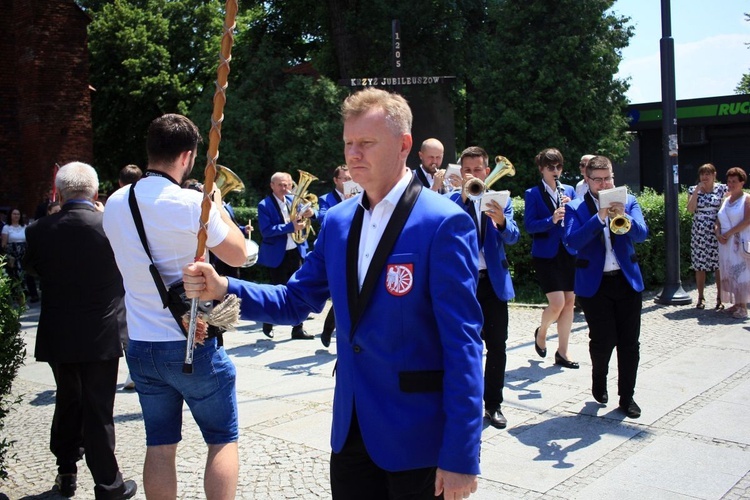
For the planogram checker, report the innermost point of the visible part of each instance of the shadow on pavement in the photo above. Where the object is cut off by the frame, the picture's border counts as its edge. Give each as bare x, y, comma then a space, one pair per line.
548, 436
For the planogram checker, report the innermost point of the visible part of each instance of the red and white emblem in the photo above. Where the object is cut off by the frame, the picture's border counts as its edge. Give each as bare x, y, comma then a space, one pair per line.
399, 279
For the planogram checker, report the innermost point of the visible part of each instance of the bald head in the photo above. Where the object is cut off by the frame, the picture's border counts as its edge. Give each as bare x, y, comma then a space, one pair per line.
431, 155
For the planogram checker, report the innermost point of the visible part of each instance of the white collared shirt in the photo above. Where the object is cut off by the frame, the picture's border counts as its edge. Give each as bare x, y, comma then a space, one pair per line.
480, 228
290, 244
554, 196
374, 223
610, 259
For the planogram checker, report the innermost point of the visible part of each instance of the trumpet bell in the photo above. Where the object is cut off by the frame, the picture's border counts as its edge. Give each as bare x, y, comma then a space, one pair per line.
619, 224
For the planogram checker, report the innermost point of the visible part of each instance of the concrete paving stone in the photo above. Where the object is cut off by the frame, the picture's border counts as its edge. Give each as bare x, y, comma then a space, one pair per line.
720, 420
559, 443
563, 444
312, 430
702, 470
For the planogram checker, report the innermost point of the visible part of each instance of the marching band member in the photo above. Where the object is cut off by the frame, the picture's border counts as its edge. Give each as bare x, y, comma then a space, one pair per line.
608, 282
553, 261
340, 176
496, 228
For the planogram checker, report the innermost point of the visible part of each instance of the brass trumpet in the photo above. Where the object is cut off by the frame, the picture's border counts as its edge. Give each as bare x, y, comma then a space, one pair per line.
475, 188
618, 223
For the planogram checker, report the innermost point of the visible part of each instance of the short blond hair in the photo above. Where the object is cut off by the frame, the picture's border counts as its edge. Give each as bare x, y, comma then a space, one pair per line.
397, 112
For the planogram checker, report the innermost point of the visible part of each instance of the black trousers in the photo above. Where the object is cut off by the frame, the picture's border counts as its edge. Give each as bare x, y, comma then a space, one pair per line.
83, 423
613, 315
354, 476
495, 328
280, 275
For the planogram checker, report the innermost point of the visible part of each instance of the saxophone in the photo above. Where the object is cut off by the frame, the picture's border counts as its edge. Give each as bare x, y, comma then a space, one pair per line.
300, 203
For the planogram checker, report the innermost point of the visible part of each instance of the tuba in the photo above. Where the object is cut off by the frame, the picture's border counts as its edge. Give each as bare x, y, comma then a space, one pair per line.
301, 202
227, 181
475, 188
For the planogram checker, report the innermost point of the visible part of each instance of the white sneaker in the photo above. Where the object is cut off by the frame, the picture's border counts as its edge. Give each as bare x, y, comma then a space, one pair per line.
129, 384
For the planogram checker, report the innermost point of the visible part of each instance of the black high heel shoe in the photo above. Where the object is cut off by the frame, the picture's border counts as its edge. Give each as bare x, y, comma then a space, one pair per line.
541, 352
559, 360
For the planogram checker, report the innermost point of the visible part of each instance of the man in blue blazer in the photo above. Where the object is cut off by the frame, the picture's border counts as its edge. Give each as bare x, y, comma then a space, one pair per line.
340, 176
401, 266
496, 229
608, 282
278, 251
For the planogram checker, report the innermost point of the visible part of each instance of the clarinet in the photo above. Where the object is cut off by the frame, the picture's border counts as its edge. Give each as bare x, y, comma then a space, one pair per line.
560, 193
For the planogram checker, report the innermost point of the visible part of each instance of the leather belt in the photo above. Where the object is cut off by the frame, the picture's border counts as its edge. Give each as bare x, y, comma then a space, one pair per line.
616, 272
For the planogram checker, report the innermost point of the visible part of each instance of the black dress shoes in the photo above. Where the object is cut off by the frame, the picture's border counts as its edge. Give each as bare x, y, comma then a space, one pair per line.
268, 332
559, 360
325, 338
541, 352
630, 407
301, 334
496, 418
66, 484
600, 395
130, 489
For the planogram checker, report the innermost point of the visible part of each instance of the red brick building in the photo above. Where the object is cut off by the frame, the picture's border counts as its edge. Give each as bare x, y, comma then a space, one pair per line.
45, 101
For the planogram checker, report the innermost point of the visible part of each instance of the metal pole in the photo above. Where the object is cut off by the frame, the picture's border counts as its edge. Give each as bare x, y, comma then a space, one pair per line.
672, 292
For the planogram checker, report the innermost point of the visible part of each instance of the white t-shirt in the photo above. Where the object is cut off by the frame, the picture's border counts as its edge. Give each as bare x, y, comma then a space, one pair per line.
15, 234
171, 218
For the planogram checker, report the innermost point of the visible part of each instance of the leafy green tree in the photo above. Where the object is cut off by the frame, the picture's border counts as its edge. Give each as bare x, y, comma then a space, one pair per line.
148, 57
544, 77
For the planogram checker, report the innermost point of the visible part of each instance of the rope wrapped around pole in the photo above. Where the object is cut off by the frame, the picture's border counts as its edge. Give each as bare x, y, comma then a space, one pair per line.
214, 137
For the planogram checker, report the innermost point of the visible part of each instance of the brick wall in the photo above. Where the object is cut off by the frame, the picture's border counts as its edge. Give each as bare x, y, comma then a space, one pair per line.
45, 101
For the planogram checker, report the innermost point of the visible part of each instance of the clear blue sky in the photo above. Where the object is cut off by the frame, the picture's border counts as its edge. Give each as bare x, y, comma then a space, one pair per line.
709, 39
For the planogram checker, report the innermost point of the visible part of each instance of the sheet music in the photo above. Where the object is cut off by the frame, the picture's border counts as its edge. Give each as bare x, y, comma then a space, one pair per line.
501, 197
614, 195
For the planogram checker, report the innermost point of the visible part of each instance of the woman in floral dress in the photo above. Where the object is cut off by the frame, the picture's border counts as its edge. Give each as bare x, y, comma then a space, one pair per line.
704, 200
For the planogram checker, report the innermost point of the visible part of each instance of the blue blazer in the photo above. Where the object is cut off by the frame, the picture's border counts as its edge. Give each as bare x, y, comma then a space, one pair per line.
409, 347
493, 244
325, 202
274, 231
537, 221
584, 232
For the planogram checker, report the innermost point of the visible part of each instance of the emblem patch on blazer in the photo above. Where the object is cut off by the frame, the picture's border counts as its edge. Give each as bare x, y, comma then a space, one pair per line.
399, 279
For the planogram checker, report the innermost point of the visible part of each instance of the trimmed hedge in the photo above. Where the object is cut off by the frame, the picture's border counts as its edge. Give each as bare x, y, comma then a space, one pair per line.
651, 253
12, 355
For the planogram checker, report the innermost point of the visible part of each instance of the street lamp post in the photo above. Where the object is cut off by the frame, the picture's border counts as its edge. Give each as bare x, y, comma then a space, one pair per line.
672, 292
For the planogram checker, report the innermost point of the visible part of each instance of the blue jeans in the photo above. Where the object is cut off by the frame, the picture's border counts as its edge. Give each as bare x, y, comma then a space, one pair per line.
156, 369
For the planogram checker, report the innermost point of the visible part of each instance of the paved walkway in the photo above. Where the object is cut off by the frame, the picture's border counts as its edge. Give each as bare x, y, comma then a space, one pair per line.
693, 440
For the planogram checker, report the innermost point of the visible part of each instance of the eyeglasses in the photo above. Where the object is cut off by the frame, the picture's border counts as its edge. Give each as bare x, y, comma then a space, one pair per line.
600, 180
553, 168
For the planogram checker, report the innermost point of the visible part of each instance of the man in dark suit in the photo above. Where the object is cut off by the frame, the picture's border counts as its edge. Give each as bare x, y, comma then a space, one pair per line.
608, 282
340, 176
401, 267
82, 317
496, 228
278, 251
429, 172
